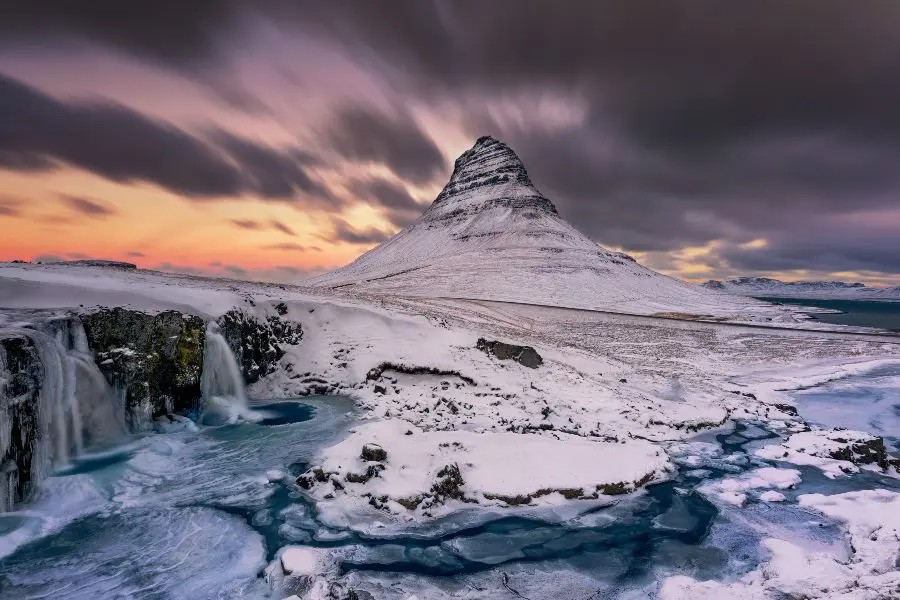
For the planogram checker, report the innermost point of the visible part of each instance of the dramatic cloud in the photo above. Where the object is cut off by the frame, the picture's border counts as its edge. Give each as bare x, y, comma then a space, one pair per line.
272, 173
653, 125
120, 144
396, 141
271, 224
89, 208
398, 206
171, 32
344, 232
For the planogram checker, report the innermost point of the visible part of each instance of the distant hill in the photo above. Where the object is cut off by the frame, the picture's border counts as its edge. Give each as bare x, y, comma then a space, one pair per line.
824, 290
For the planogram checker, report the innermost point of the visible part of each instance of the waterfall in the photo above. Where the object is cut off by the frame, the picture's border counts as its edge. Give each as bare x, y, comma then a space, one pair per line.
75, 407
221, 383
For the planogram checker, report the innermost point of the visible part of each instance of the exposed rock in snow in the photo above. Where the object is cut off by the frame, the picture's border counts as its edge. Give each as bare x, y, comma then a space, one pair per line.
257, 343
490, 234
98, 262
835, 451
765, 286
524, 355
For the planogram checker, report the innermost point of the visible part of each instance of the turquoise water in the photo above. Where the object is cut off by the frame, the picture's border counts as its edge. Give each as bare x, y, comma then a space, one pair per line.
190, 515
859, 313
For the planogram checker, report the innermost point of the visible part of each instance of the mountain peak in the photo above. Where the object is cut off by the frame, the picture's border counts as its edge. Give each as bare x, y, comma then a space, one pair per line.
490, 173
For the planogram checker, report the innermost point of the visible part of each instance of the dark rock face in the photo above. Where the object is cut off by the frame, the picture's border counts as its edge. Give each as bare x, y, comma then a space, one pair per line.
21, 377
492, 166
524, 355
256, 345
157, 359
863, 452
373, 452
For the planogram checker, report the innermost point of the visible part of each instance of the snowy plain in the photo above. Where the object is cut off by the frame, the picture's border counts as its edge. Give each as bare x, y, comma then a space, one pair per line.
618, 397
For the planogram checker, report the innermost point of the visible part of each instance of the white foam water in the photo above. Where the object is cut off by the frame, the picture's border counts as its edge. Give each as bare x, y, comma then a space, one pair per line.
221, 383
76, 405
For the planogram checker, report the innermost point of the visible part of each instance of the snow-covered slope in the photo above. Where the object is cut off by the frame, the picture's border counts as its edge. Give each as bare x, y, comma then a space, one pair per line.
490, 234
825, 290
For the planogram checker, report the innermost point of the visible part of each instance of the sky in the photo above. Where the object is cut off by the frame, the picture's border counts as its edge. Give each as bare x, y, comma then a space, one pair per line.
276, 140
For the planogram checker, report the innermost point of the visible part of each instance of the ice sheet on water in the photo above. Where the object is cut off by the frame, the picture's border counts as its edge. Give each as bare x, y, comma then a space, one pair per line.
188, 553
868, 403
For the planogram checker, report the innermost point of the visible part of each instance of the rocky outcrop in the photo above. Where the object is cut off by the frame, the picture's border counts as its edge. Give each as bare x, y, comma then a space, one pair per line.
868, 451
524, 355
157, 359
21, 376
257, 345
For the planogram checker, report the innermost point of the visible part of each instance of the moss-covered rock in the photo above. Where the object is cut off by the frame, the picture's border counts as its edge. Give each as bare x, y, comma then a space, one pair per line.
156, 359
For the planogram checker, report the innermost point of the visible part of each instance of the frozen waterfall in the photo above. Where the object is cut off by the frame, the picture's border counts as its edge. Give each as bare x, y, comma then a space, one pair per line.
75, 407
221, 383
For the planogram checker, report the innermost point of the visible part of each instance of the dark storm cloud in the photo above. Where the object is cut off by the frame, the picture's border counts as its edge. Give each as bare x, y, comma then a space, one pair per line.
363, 134
89, 208
397, 205
169, 31
344, 232
703, 120
115, 142
269, 172
824, 246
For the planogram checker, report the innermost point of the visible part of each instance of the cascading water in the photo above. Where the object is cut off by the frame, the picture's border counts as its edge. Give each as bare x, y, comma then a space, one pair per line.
75, 407
221, 383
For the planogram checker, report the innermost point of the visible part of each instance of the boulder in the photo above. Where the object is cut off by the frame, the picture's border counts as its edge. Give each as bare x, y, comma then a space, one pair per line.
524, 355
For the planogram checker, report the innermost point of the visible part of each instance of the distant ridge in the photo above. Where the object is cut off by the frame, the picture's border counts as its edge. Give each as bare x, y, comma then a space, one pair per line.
824, 290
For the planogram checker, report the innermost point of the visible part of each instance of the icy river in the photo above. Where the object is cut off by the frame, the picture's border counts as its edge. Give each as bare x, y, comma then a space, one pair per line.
200, 512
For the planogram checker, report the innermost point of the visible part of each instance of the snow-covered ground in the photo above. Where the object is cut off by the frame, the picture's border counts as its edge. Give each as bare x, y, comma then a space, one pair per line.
825, 290
613, 406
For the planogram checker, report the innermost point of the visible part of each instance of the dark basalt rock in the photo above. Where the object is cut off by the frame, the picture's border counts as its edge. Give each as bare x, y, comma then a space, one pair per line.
373, 452
157, 359
448, 485
524, 355
863, 452
21, 377
257, 346
489, 164
376, 373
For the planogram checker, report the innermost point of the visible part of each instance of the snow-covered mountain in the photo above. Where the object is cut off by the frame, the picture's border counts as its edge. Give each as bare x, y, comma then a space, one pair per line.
491, 235
825, 290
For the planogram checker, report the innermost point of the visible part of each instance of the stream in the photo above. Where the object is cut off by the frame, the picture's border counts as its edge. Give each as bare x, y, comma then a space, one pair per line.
198, 512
